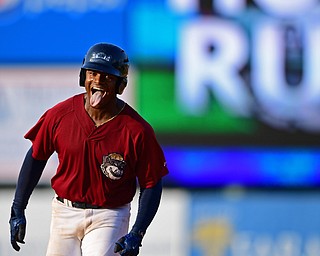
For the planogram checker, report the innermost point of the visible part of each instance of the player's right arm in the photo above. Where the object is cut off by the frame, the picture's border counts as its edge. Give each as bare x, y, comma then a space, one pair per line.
29, 176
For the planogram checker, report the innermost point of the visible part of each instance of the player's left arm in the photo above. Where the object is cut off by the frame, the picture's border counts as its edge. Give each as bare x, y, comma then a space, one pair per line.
149, 200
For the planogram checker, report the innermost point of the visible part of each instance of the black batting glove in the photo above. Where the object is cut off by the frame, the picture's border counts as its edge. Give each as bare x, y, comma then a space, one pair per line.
17, 227
129, 244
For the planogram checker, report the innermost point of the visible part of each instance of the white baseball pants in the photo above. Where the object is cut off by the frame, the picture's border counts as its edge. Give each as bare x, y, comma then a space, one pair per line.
86, 232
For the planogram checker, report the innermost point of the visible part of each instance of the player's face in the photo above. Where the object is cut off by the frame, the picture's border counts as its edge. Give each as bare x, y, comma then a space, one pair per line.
100, 87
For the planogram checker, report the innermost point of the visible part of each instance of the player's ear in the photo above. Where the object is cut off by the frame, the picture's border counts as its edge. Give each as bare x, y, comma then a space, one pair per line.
122, 85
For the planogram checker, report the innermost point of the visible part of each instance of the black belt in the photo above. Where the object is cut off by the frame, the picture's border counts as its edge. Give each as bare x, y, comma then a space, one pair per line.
79, 204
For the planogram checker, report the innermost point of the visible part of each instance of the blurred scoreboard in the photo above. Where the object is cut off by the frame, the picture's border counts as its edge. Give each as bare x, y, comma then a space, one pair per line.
230, 87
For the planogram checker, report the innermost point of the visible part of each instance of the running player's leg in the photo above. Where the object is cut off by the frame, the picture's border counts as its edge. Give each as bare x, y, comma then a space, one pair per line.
107, 226
66, 230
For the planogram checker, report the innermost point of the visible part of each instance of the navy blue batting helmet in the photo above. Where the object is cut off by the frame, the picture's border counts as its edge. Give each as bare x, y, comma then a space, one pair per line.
107, 58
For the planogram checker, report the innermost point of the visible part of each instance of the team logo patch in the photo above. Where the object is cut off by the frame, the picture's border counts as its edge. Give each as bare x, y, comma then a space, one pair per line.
113, 166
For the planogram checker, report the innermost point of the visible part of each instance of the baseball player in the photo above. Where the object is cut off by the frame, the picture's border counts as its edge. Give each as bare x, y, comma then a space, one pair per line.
105, 148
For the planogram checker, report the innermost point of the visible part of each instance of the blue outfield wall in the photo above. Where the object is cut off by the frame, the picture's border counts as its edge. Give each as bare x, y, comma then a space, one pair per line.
239, 223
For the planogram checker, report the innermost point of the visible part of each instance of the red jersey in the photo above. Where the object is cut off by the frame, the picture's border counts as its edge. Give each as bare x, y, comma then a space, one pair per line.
98, 165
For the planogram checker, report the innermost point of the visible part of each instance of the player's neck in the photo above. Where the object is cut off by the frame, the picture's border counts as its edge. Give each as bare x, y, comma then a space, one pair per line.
102, 115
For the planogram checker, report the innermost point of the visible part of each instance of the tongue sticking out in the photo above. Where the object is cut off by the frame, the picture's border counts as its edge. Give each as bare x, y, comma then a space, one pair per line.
96, 98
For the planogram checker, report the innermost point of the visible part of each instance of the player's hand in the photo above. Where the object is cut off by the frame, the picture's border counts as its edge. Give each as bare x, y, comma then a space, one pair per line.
128, 245
17, 227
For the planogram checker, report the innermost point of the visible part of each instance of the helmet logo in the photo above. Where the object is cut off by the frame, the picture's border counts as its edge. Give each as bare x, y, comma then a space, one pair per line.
100, 55
113, 166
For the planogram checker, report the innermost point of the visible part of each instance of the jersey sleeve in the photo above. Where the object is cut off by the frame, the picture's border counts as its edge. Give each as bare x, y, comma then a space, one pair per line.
41, 136
152, 165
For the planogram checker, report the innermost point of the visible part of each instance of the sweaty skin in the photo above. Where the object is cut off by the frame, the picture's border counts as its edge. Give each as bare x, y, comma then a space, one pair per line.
101, 102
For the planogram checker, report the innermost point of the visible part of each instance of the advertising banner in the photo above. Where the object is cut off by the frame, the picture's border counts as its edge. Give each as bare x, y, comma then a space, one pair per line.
237, 77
